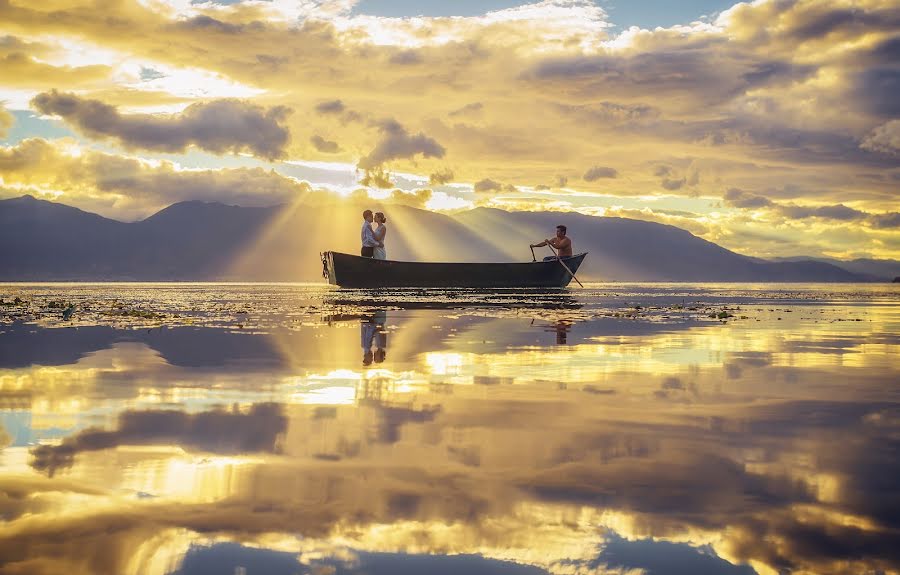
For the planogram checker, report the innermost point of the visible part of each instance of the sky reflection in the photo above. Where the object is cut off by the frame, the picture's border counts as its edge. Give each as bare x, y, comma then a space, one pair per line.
498, 441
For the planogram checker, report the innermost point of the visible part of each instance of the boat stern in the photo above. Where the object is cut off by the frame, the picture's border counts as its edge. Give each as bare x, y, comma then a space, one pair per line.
328, 267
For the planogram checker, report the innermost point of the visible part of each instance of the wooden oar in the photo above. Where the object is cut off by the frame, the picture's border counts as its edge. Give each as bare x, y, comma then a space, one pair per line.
571, 273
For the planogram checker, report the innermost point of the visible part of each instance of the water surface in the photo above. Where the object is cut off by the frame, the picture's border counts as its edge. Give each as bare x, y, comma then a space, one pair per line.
222, 428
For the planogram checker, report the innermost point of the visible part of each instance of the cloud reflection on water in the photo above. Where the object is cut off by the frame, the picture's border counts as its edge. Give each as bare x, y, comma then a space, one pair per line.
754, 441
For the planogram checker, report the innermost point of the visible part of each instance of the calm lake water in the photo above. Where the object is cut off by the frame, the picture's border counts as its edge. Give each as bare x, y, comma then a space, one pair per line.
283, 429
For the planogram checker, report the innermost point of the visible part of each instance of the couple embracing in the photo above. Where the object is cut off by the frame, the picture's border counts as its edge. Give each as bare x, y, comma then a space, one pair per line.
373, 239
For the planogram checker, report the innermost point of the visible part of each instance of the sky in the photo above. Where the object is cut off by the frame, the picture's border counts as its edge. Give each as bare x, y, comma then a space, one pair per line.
770, 127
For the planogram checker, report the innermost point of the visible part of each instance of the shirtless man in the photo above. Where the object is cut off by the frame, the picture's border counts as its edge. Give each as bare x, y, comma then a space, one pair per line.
562, 244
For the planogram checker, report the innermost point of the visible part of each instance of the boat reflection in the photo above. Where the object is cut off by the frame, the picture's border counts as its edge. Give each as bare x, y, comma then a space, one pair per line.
420, 298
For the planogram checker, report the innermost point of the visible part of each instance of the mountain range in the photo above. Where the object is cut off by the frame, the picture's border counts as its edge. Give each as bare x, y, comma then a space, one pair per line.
47, 241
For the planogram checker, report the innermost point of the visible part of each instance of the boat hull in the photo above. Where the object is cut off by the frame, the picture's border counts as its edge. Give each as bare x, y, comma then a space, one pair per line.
352, 271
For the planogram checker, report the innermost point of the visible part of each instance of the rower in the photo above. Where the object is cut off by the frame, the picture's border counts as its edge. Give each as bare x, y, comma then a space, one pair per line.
562, 244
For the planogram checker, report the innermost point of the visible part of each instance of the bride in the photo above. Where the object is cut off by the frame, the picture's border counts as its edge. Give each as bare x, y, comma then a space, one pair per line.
380, 232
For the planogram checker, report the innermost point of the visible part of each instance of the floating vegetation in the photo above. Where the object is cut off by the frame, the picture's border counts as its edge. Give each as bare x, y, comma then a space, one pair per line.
143, 314
294, 307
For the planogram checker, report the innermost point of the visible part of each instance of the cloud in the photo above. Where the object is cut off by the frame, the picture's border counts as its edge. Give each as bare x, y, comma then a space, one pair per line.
257, 430
24, 64
416, 199
441, 177
673, 184
598, 172
740, 199
208, 23
487, 185
338, 108
325, 146
559, 182
406, 58
397, 143
220, 126
884, 139
468, 109
764, 93
6, 122
877, 88
330, 107
127, 187
838, 212
888, 221
377, 177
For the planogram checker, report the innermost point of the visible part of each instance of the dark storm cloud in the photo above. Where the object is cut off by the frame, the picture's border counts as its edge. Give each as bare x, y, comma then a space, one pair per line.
397, 143
219, 126
325, 146
597, 172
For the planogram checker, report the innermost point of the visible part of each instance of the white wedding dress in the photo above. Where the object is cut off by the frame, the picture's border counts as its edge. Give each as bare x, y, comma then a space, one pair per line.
380, 252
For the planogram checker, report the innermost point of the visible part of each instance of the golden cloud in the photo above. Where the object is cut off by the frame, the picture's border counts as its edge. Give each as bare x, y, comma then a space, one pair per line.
749, 105
129, 187
219, 126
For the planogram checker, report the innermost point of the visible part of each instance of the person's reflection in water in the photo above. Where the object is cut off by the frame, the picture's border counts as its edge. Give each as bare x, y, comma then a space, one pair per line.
372, 331
367, 334
380, 336
562, 328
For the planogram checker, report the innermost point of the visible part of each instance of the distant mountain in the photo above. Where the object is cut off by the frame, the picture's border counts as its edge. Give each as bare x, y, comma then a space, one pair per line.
875, 270
634, 250
209, 241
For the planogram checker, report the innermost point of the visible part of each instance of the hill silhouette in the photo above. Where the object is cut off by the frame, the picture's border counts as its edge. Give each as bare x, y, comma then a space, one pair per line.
210, 241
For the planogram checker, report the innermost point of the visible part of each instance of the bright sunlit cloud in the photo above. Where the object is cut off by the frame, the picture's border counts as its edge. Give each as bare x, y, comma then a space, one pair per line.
549, 105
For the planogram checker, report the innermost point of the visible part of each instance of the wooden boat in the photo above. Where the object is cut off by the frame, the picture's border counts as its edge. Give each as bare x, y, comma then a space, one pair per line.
352, 271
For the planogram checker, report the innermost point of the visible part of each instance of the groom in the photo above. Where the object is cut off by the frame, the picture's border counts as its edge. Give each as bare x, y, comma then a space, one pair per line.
368, 236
